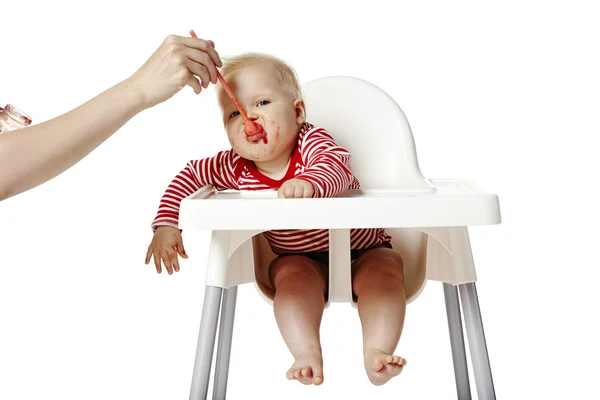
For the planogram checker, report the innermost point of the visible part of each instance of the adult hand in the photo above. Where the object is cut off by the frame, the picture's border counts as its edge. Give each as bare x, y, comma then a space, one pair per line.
178, 62
35, 154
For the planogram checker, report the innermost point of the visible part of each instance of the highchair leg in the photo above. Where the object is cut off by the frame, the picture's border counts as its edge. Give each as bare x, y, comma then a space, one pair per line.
224, 345
457, 342
206, 343
477, 345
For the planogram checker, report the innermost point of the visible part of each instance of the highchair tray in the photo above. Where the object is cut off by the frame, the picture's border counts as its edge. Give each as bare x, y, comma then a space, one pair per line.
454, 202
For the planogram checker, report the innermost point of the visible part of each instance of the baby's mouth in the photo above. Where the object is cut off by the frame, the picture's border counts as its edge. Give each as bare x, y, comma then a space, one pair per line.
256, 138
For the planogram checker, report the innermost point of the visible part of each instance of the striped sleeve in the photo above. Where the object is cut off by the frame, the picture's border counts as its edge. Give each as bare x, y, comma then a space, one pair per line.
219, 171
327, 165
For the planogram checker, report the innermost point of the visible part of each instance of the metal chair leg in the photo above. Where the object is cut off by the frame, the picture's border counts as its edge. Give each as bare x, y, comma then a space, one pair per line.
457, 342
224, 345
477, 345
206, 343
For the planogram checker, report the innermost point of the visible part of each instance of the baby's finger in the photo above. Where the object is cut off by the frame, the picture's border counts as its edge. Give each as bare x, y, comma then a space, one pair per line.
167, 262
157, 262
299, 191
148, 254
289, 191
173, 260
175, 263
181, 250
308, 192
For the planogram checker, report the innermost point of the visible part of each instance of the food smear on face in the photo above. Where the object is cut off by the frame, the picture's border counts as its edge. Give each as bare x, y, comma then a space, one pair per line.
256, 137
252, 128
255, 132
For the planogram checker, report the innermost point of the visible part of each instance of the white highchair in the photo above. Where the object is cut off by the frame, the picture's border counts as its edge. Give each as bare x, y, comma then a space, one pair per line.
427, 219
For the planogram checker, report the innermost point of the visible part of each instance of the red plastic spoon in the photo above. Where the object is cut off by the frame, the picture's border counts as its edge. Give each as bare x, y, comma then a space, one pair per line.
251, 128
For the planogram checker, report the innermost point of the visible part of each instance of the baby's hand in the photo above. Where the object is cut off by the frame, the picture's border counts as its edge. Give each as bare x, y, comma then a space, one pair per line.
165, 245
296, 188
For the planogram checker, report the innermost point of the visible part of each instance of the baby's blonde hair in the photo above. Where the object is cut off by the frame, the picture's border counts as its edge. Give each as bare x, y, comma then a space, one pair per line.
284, 72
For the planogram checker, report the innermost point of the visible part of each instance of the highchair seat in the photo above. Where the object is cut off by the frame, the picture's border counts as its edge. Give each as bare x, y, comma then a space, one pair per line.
393, 195
427, 218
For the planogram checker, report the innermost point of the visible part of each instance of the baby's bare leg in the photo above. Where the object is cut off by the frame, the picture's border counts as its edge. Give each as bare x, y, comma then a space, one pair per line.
378, 283
300, 284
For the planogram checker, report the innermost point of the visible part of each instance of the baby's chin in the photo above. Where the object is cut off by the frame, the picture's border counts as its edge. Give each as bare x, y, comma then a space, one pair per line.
255, 151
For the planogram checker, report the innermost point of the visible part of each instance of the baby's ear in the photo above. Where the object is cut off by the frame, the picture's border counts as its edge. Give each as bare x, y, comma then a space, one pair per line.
300, 111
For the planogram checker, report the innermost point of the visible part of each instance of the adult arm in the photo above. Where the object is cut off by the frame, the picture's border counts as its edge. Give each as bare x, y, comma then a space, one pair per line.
38, 153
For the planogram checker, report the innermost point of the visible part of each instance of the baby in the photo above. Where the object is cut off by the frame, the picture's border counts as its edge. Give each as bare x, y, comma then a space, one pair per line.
300, 161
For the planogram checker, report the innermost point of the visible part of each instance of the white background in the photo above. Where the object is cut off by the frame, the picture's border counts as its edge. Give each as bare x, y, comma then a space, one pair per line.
505, 94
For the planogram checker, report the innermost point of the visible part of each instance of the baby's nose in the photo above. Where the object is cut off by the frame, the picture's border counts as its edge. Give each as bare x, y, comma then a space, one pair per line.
252, 116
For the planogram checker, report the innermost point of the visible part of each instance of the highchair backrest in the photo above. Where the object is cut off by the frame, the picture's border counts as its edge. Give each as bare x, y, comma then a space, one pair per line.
368, 123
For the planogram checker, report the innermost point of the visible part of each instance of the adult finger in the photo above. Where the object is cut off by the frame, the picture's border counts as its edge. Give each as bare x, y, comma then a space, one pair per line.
203, 45
200, 71
194, 83
203, 62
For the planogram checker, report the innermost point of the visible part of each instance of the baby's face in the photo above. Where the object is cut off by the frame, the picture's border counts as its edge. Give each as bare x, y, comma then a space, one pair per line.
265, 101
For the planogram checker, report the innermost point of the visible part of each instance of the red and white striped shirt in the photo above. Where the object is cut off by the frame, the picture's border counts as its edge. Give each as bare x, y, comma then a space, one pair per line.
317, 159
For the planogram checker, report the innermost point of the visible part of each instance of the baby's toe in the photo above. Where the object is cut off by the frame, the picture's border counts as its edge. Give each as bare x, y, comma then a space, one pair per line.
395, 369
377, 364
305, 372
395, 360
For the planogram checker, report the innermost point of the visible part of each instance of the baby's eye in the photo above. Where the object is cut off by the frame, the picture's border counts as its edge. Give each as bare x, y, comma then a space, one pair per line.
234, 114
263, 103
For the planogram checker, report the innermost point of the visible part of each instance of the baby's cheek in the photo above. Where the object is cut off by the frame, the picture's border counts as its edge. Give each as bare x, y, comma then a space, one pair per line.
231, 138
237, 140
276, 134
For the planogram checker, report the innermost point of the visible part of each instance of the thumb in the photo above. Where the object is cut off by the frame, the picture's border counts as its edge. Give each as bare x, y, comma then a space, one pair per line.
181, 250
212, 44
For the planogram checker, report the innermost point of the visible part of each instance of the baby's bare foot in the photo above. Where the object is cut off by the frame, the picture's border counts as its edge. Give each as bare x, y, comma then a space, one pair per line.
308, 368
381, 367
